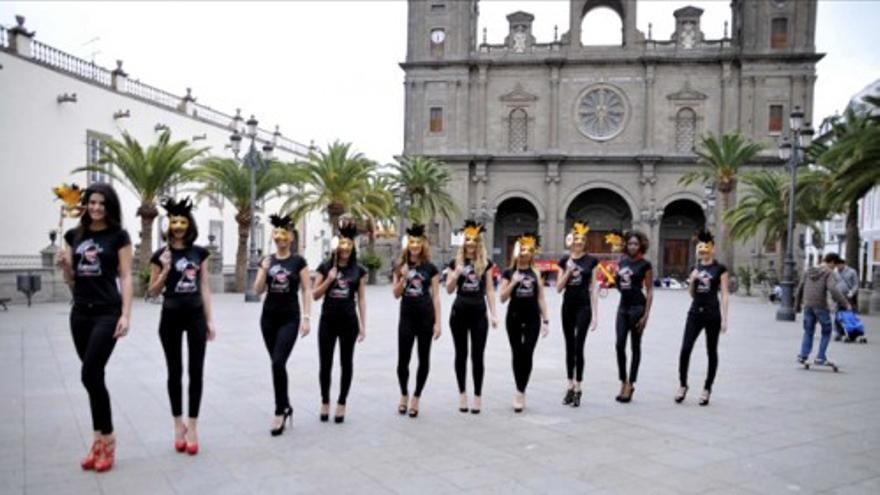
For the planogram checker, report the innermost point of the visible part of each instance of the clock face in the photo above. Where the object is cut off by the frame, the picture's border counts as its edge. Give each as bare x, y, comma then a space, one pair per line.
437, 36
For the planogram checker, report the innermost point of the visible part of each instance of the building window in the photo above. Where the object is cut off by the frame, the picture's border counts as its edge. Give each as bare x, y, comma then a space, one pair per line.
94, 146
779, 33
438, 7
774, 124
685, 130
436, 124
518, 131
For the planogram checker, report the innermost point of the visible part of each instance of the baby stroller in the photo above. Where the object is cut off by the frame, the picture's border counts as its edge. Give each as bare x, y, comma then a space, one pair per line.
852, 327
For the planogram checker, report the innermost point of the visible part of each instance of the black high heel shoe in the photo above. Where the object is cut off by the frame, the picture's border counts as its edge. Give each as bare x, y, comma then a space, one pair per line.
682, 393
401, 408
576, 401
569, 397
288, 417
704, 399
628, 397
339, 418
324, 416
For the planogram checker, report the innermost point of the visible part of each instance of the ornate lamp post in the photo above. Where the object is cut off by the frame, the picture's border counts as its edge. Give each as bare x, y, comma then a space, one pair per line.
791, 150
253, 160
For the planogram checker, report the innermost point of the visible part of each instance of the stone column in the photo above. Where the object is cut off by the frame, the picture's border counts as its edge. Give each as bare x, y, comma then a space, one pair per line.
648, 137
483, 105
553, 141
20, 39
551, 202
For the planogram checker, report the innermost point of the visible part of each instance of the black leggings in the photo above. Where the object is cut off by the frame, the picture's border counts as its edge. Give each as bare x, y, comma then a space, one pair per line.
172, 324
93, 338
280, 330
576, 320
697, 320
334, 325
414, 327
522, 331
627, 319
469, 317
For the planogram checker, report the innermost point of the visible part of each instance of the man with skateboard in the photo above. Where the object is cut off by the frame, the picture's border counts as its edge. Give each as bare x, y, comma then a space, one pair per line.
812, 295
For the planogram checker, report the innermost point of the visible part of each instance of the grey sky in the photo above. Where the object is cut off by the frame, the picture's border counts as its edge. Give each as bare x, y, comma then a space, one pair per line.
328, 70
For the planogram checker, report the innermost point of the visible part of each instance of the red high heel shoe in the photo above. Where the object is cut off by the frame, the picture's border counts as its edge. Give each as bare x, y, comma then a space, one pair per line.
192, 448
180, 445
88, 462
104, 460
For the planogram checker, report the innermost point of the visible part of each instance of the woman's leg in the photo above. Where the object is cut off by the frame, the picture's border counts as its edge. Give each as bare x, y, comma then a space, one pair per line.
691, 331
171, 336
425, 337
196, 341
94, 342
326, 347
713, 331
458, 324
530, 340
635, 341
284, 342
582, 327
405, 339
347, 340
515, 336
569, 320
479, 335
620, 344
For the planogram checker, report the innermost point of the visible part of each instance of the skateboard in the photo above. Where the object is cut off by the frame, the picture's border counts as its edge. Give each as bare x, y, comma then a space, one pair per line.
826, 364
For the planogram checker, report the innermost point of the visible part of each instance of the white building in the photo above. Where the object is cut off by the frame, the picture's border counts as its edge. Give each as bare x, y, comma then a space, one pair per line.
833, 235
55, 112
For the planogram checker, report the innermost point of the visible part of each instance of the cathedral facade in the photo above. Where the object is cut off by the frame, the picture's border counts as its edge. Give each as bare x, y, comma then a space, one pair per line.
539, 133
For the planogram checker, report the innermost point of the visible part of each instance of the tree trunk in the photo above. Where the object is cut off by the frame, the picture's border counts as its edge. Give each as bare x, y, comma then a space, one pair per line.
241, 254
725, 243
852, 235
148, 213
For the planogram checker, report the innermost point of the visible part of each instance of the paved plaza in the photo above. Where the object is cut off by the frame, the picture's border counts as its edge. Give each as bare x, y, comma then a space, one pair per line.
771, 428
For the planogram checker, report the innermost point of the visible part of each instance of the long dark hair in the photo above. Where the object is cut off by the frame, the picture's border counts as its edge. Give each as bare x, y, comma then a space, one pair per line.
182, 208
113, 212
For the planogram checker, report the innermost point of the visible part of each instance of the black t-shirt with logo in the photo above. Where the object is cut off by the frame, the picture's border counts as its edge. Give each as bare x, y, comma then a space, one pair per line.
417, 290
630, 279
524, 297
96, 265
341, 294
577, 290
282, 283
707, 285
183, 288
471, 285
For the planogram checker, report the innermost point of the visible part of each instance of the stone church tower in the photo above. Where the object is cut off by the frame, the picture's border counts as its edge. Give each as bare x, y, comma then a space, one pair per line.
537, 133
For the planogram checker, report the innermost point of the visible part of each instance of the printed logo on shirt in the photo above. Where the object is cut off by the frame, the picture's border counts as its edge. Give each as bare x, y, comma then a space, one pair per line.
704, 281
279, 279
526, 287
341, 288
90, 259
415, 284
625, 277
471, 280
577, 277
189, 271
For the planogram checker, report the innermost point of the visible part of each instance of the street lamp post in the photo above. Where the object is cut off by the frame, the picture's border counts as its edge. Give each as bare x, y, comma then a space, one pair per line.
253, 161
791, 151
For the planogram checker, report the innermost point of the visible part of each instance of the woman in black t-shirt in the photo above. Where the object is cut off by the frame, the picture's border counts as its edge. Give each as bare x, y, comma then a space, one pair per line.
577, 277
340, 281
179, 271
633, 273
526, 314
470, 274
417, 285
280, 276
705, 281
96, 263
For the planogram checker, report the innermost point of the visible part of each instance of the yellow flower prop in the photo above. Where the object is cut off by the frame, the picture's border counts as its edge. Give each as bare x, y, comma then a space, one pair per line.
615, 241
609, 277
71, 196
580, 228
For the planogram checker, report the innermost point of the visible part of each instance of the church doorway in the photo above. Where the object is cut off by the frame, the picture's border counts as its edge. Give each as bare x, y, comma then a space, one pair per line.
681, 219
605, 210
514, 217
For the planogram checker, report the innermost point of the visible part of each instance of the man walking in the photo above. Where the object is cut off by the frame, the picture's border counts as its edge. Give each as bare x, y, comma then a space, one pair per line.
812, 295
848, 285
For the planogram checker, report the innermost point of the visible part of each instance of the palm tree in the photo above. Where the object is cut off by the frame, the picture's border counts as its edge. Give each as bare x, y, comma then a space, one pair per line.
148, 174
229, 179
848, 166
720, 159
336, 181
763, 208
424, 180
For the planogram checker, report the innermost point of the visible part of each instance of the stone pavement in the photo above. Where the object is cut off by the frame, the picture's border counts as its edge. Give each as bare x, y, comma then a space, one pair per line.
771, 428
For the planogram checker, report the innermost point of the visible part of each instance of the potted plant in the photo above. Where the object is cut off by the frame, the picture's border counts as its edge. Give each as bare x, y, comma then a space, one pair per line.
372, 262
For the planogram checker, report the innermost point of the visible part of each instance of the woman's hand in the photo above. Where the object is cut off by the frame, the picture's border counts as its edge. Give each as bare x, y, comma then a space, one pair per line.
121, 327
594, 324
165, 259
212, 331
494, 321
332, 274
545, 328
404, 271
305, 327
643, 322
264, 265
362, 332
62, 261
724, 325
517, 277
436, 330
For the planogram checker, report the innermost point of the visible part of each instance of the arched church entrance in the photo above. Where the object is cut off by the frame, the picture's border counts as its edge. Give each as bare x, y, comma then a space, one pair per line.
681, 219
514, 216
605, 210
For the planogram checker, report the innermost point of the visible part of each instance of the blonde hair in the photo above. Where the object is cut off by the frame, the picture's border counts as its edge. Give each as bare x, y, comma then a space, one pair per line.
425, 255
480, 262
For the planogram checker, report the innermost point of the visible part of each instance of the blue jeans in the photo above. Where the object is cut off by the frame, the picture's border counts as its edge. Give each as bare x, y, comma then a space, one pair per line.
810, 317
